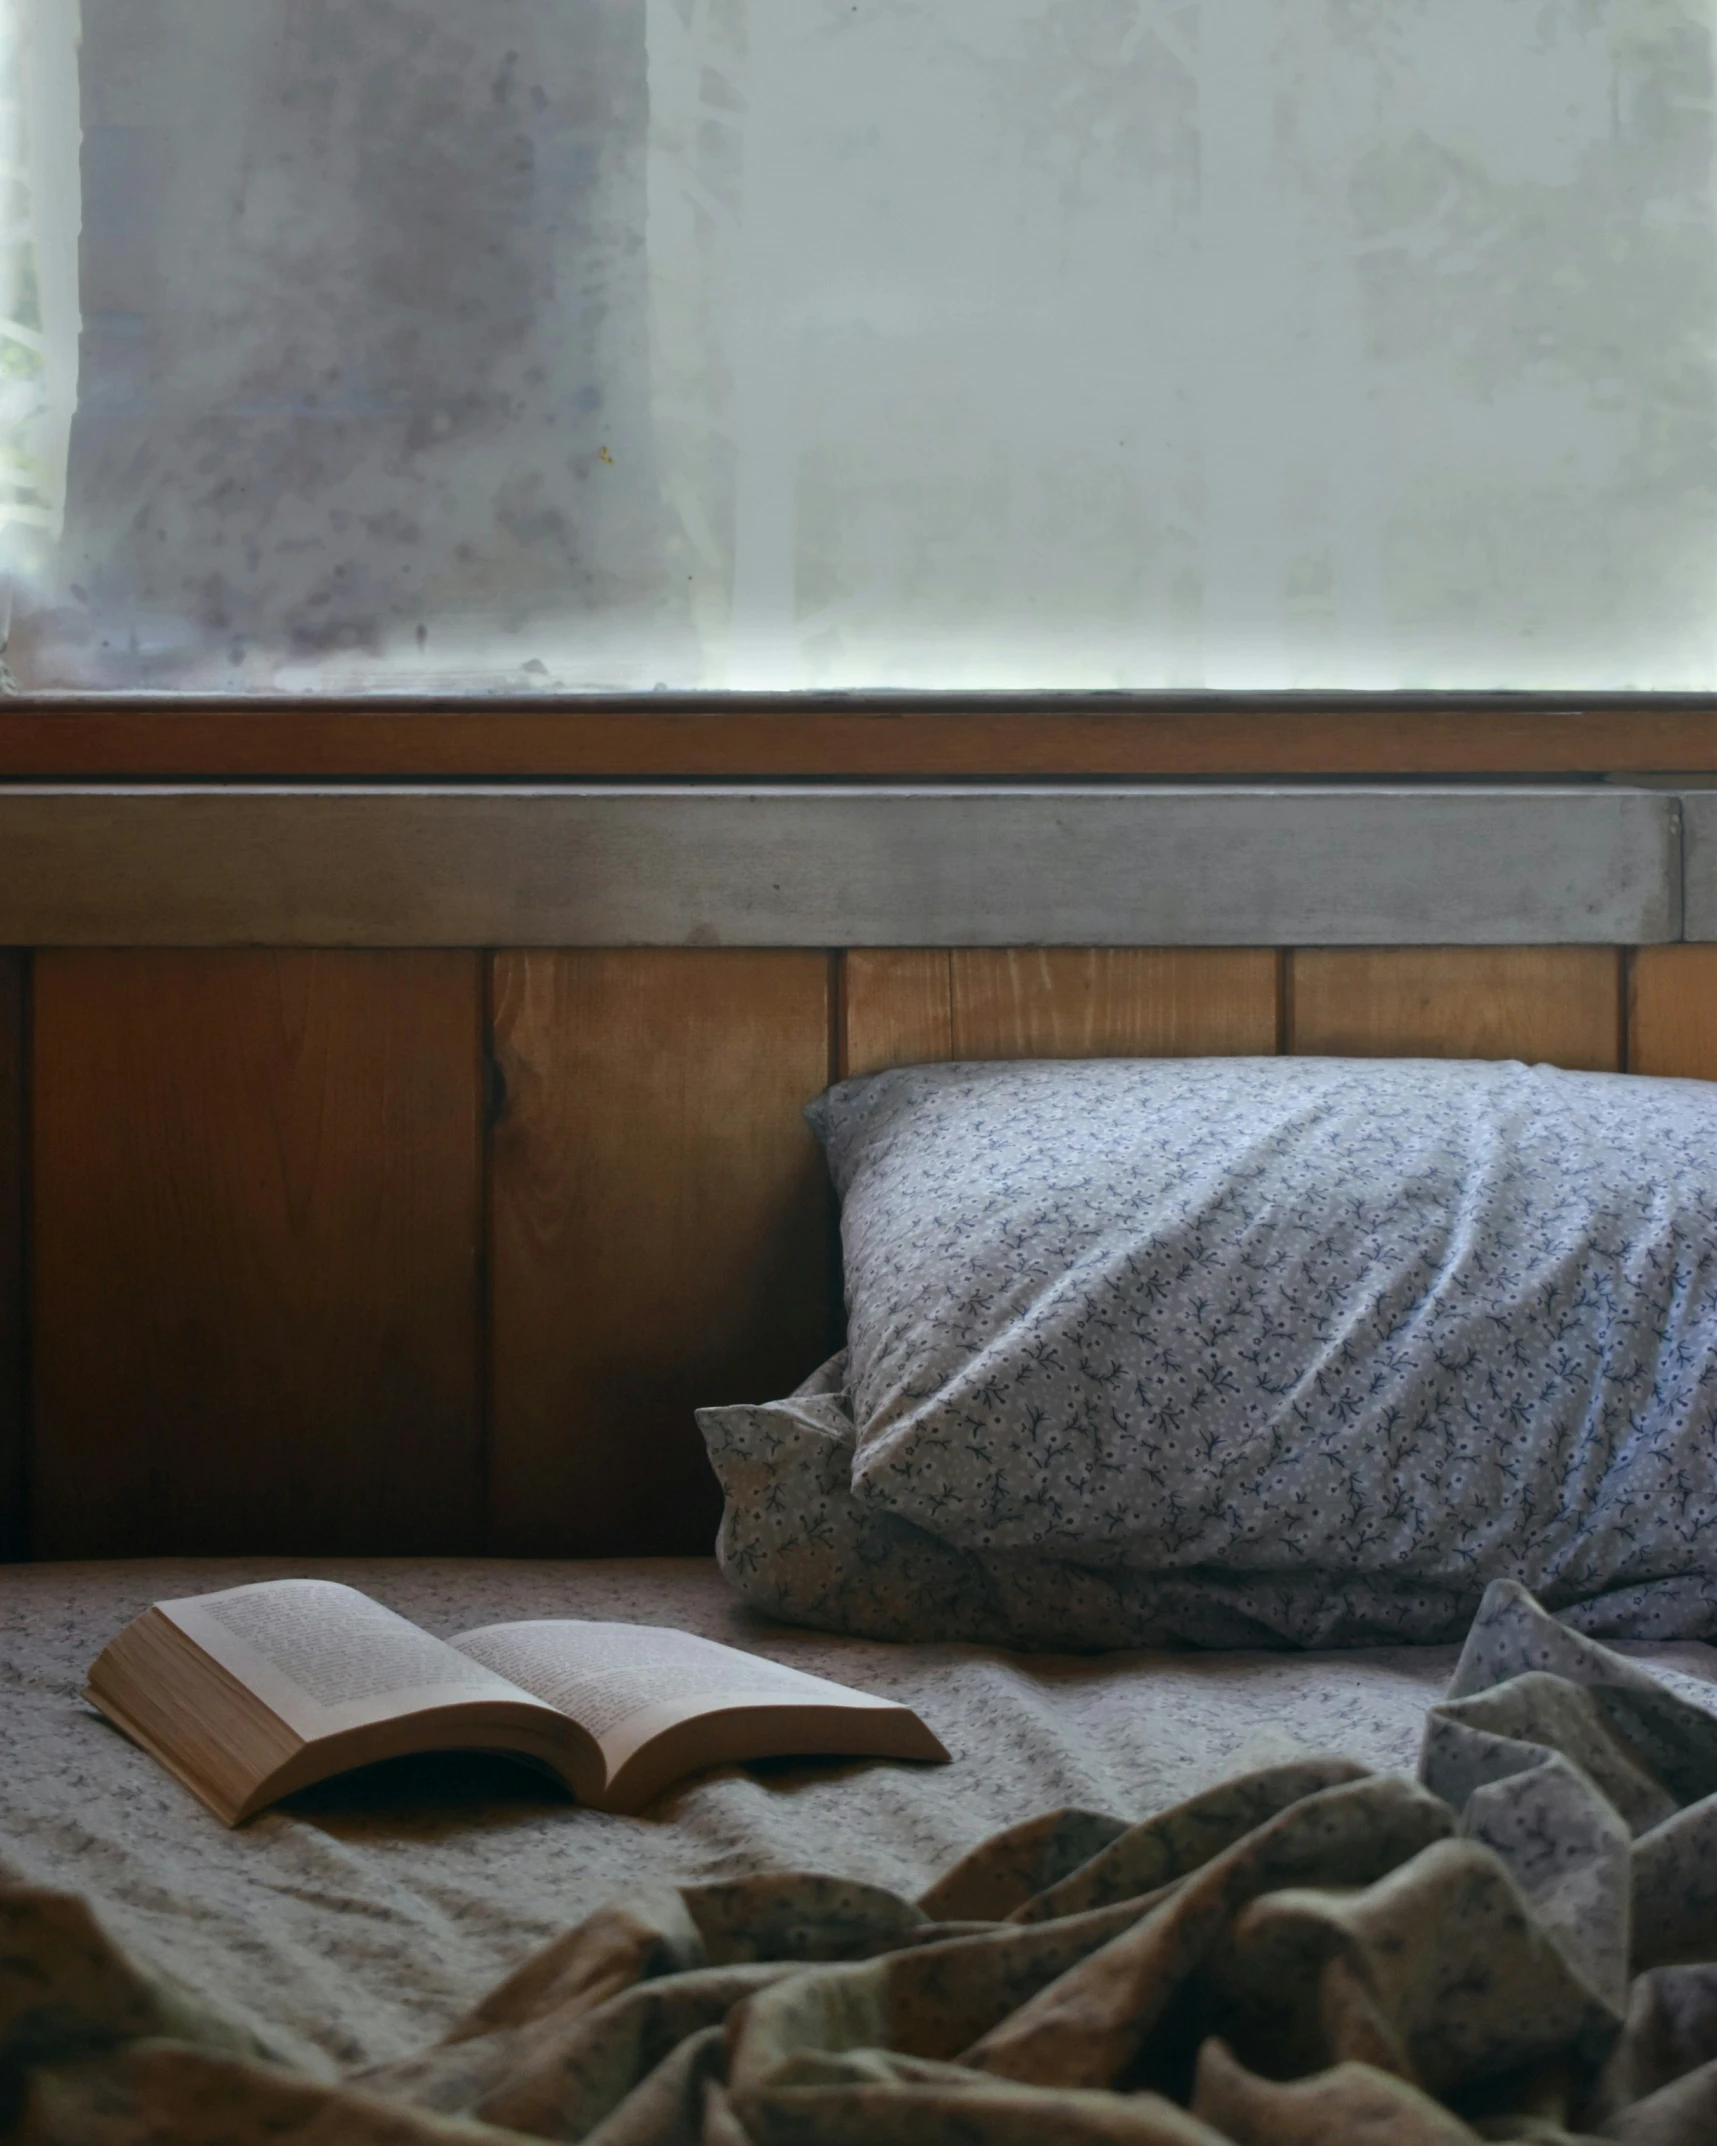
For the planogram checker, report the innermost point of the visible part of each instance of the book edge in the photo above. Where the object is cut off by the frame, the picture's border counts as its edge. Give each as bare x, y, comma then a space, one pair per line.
898, 1732
111, 1709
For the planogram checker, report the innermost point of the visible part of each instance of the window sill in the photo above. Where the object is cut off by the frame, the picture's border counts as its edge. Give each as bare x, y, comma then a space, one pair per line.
981, 737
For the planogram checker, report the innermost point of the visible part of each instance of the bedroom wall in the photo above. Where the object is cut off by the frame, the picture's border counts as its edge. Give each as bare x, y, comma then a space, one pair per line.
431, 1250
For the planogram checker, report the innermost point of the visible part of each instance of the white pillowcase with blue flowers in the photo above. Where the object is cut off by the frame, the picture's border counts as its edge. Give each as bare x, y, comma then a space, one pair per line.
1250, 1350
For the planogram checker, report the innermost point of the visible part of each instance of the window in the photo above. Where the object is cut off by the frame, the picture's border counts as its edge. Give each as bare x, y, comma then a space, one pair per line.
38, 281
908, 344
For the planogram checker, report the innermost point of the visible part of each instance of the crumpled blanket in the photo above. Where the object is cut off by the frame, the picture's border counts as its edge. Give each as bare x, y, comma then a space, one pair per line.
1520, 1945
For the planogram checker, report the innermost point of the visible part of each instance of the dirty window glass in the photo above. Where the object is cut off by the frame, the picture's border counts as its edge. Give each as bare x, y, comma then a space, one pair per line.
417, 345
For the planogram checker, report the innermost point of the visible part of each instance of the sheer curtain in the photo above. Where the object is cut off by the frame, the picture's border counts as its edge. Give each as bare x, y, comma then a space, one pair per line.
38, 282
1251, 343
786, 344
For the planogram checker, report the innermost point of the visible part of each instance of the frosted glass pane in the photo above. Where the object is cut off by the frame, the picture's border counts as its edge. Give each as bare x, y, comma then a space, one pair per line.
38, 279
919, 343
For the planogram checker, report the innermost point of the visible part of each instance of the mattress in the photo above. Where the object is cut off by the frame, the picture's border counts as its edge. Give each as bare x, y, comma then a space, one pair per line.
354, 1924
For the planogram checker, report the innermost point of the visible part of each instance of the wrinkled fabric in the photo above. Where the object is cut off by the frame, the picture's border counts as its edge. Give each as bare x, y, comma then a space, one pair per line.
358, 1921
1242, 1351
1516, 1946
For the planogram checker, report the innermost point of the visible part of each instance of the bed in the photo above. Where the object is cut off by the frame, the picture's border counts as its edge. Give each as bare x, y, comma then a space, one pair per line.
1373, 1341
356, 1925
360, 1921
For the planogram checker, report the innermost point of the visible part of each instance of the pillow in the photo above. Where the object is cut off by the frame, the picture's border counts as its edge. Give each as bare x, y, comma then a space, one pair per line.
797, 1544
1301, 1349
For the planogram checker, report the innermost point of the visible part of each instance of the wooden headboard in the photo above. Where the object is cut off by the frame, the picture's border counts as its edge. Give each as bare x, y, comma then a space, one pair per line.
429, 1246
425, 1250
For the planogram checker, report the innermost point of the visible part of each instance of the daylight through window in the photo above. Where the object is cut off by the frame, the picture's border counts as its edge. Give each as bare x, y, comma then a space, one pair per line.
793, 344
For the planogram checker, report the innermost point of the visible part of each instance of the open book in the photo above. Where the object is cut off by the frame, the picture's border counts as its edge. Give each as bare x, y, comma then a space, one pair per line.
256, 1691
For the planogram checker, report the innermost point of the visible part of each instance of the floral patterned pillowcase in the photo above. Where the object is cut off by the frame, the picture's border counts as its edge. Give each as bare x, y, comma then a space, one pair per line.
1307, 1350
797, 1544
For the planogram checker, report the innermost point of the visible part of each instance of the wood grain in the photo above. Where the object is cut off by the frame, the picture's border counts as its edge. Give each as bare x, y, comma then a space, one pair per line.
837, 865
1672, 1012
662, 1234
897, 1008
1056, 1002
14, 1413
1557, 1005
1218, 735
1103, 1002
256, 1257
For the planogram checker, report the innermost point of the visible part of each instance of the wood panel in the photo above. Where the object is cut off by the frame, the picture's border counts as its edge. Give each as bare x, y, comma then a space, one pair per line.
257, 1252
1672, 1012
1063, 737
1698, 923
897, 1009
1559, 1005
711, 865
14, 1462
1057, 1002
1151, 1002
662, 1234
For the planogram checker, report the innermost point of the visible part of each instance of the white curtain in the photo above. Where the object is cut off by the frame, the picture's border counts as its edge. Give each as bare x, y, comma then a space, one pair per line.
1170, 343
38, 276
913, 344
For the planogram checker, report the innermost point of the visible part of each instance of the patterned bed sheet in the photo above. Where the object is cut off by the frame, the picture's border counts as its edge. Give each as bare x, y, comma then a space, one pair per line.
365, 1916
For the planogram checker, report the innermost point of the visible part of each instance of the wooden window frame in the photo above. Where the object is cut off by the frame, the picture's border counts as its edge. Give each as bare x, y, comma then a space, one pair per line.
994, 737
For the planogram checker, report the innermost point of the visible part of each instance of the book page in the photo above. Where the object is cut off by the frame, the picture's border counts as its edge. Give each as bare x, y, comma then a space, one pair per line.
312, 1648
602, 1675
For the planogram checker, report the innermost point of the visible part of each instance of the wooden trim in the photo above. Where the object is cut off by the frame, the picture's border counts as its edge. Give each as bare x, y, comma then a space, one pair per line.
1699, 864
795, 866
655, 737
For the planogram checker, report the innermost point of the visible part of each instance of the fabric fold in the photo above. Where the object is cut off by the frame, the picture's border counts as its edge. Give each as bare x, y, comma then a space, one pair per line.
1520, 1946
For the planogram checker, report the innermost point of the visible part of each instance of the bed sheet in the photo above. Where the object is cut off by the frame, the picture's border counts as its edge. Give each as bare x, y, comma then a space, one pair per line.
359, 1920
